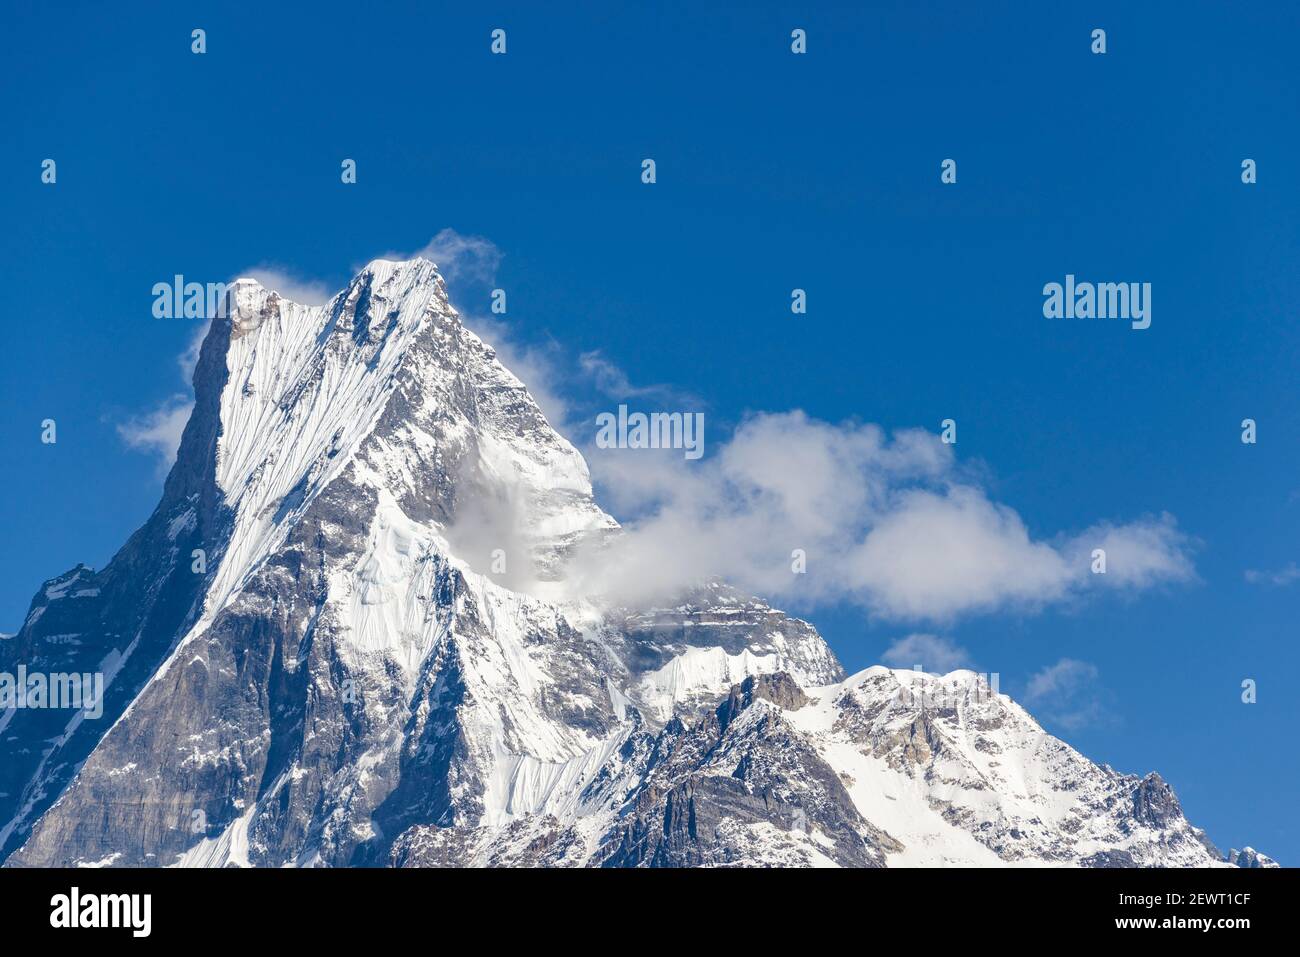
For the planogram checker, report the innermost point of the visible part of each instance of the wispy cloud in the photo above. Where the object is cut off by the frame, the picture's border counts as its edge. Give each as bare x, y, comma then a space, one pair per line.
930, 652
611, 381
460, 257
469, 266
1068, 694
158, 431
1066, 674
295, 288
188, 359
1280, 578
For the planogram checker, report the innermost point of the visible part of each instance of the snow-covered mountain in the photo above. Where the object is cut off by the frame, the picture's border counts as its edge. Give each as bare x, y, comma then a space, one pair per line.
342, 639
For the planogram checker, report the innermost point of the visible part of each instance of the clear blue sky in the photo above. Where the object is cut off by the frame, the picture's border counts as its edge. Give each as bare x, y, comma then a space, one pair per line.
775, 171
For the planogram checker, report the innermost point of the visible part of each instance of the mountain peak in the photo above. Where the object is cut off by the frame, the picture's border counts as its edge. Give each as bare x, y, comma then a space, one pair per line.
332, 644
400, 277
385, 264
247, 295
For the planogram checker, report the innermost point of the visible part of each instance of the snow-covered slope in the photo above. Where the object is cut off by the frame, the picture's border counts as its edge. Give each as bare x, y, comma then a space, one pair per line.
963, 775
339, 640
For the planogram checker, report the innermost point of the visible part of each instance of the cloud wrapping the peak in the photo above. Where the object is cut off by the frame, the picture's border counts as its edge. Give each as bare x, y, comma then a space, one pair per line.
787, 506
158, 431
469, 266
890, 523
305, 292
460, 257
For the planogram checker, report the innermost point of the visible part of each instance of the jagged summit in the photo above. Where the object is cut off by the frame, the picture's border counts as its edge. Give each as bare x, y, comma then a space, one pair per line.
249, 292
326, 647
1249, 857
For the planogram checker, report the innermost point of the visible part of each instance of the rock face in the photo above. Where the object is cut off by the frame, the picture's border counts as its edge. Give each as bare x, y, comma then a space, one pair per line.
344, 638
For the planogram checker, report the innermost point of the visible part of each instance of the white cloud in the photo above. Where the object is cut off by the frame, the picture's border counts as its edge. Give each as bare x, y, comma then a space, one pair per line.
890, 523
158, 431
940, 553
930, 652
1138, 554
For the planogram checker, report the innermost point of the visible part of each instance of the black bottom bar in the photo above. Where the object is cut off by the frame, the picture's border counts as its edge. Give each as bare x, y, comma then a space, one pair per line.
363, 906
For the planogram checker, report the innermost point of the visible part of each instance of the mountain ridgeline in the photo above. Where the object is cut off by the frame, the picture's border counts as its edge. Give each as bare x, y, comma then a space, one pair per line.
307, 661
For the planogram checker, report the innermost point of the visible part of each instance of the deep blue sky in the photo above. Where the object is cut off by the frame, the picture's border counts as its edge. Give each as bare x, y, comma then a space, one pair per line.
775, 171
